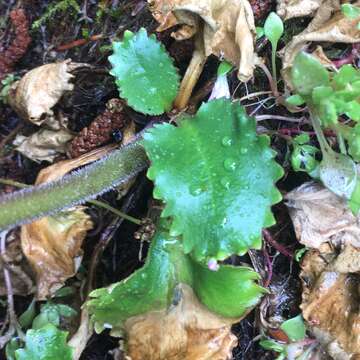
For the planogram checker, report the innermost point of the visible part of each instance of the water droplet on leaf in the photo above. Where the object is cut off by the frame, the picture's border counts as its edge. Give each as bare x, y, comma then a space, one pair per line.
230, 164
226, 141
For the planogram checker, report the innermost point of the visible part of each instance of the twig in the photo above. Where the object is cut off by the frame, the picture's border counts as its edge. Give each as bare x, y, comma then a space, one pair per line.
280, 248
278, 117
13, 323
79, 42
12, 134
255, 94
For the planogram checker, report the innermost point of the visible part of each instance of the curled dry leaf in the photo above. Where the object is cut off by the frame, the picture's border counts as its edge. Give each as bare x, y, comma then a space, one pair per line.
331, 270
185, 331
35, 94
289, 9
223, 28
319, 216
52, 245
43, 145
328, 25
330, 303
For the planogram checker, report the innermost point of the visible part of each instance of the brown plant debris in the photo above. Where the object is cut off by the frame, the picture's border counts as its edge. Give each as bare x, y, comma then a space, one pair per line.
18, 47
320, 216
328, 25
330, 302
260, 8
331, 269
185, 331
100, 131
53, 244
225, 29
39, 90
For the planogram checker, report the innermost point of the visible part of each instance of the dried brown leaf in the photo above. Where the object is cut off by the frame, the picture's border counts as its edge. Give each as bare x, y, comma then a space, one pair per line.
43, 145
227, 28
35, 94
330, 304
319, 216
185, 331
328, 25
52, 245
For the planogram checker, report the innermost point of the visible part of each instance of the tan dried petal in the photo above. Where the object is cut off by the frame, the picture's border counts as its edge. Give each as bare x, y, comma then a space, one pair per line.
34, 95
52, 245
185, 331
43, 145
320, 216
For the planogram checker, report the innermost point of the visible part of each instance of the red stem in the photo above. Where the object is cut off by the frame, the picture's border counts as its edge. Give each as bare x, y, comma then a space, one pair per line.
280, 248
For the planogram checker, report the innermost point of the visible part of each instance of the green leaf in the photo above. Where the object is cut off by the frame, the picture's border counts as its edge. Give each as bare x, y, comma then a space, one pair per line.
47, 343
11, 347
350, 11
295, 100
294, 328
338, 173
346, 74
354, 202
272, 345
217, 178
152, 287
28, 315
300, 253
144, 72
307, 73
259, 32
49, 314
273, 28
224, 68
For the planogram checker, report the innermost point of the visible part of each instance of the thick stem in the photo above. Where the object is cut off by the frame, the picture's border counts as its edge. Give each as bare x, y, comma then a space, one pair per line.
192, 75
92, 180
273, 65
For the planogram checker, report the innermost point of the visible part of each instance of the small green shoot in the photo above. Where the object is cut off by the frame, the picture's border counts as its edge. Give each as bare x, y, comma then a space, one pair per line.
294, 328
273, 29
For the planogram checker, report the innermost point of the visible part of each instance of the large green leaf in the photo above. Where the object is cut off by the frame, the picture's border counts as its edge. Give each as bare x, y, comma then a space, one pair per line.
230, 291
307, 73
47, 343
144, 73
217, 177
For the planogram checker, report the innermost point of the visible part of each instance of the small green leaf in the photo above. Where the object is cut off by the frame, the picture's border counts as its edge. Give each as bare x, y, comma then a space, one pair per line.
28, 315
223, 209
64, 291
273, 28
354, 202
49, 314
307, 73
259, 32
300, 253
224, 68
11, 347
294, 328
295, 100
66, 311
338, 173
47, 343
350, 11
346, 74
321, 93
144, 72
152, 287
272, 345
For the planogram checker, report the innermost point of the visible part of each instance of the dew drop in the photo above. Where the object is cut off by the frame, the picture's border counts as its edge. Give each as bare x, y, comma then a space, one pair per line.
195, 190
230, 164
226, 141
225, 183
244, 150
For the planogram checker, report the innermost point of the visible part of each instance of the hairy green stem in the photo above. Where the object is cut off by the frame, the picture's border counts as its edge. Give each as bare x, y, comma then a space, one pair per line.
78, 187
94, 202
